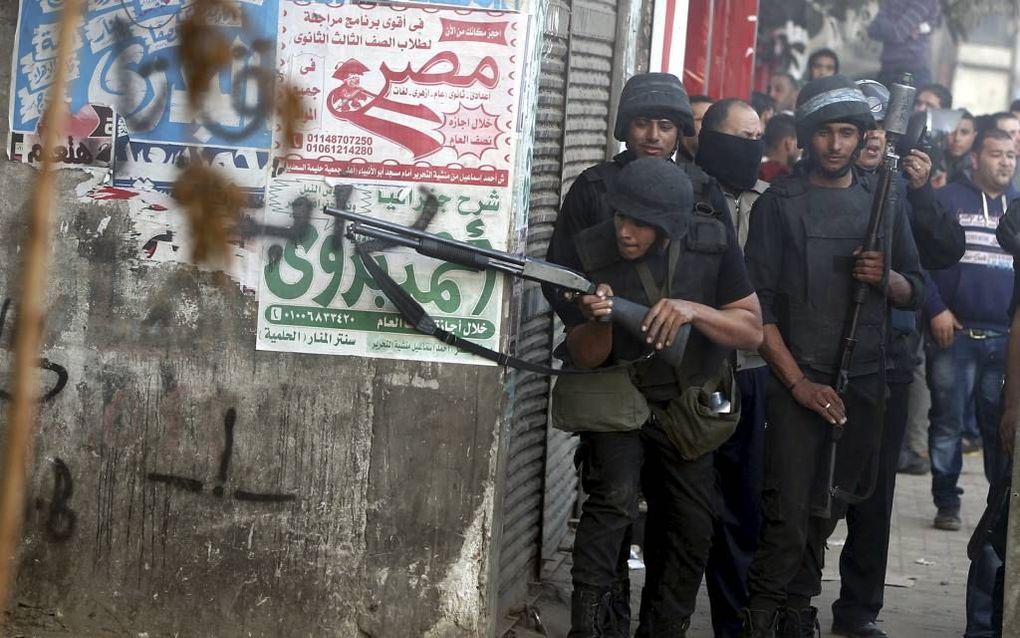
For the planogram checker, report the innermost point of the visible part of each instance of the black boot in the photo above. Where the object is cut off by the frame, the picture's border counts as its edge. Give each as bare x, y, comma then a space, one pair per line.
758, 624
798, 623
591, 613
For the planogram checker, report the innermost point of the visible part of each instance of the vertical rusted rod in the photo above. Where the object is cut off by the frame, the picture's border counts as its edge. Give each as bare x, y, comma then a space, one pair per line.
31, 314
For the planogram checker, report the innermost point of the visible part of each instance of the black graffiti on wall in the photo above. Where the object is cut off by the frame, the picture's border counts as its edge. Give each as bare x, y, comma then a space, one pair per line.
196, 486
61, 520
44, 363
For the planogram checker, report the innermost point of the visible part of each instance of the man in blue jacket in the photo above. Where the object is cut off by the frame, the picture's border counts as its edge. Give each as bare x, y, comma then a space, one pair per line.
904, 28
968, 311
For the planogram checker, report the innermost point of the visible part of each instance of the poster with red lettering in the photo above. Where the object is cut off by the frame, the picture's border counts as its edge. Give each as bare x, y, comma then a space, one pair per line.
405, 93
416, 109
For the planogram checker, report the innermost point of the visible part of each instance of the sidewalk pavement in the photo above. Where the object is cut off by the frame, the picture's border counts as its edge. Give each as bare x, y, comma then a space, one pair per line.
925, 583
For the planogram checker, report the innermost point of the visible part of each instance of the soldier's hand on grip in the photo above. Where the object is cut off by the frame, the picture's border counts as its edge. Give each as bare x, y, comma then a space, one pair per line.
870, 266
598, 305
821, 399
665, 319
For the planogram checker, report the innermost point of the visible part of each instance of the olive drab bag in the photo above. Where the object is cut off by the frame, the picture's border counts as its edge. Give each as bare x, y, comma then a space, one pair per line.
694, 428
612, 401
598, 402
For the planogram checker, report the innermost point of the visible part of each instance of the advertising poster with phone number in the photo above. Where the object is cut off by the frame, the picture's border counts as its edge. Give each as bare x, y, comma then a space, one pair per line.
397, 102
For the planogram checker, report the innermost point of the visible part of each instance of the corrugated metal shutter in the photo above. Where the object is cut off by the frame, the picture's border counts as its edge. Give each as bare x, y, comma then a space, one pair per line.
560, 477
540, 490
524, 488
589, 84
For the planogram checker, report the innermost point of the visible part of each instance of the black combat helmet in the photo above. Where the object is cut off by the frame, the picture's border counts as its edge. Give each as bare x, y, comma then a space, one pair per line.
654, 95
877, 96
655, 192
831, 99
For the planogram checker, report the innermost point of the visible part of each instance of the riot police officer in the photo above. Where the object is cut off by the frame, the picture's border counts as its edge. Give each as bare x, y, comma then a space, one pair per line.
803, 252
685, 264
653, 115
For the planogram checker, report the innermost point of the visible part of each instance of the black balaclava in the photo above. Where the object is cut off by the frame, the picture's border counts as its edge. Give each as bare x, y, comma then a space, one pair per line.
731, 159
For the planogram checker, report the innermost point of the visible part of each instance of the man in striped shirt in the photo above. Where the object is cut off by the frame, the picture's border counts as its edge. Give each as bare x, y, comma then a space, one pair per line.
968, 309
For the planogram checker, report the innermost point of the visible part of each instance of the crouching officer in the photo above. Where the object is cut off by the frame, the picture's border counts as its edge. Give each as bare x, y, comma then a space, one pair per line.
650, 425
653, 115
803, 252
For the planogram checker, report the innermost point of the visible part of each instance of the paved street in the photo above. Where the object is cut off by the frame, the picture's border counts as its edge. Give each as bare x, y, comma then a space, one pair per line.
925, 584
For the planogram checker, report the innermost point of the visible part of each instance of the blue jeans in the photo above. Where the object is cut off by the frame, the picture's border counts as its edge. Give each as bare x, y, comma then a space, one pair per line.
968, 374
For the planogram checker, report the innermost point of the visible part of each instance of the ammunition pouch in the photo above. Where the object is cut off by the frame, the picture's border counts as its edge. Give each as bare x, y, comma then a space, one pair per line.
694, 428
598, 402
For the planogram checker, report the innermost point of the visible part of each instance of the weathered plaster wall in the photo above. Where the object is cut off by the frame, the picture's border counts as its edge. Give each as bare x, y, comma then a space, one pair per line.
353, 498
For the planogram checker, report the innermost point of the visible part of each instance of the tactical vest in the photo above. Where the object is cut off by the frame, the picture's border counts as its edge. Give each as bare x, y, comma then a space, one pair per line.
698, 254
826, 226
602, 176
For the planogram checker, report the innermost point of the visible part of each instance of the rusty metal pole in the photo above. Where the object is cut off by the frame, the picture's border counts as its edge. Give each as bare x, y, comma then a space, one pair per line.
31, 315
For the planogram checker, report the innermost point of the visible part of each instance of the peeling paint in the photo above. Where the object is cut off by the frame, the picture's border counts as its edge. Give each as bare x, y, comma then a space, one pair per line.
462, 595
404, 379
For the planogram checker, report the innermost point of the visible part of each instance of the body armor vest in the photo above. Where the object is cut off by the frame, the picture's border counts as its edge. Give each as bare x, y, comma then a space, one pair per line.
699, 255
602, 176
826, 226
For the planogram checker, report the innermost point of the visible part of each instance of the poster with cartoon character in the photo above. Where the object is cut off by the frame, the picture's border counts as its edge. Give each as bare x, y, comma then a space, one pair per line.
402, 92
400, 102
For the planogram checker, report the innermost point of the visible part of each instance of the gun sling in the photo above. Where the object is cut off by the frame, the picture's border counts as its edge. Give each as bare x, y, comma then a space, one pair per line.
415, 314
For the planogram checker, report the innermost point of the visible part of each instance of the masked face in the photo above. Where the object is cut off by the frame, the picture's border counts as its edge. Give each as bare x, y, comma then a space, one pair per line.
633, 239
994, 165
732, 154
649, 137
833, 146
874, 149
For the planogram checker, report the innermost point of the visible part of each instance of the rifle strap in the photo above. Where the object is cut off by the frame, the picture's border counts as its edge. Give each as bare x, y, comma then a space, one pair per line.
415, 314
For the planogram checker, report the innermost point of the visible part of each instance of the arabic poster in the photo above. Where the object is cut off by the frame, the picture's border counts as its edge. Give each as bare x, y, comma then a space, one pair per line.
492, 5
126, 58
316, 296
403, 93
89, 141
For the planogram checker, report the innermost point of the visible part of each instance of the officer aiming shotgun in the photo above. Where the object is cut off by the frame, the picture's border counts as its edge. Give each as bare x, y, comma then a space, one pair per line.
385, 234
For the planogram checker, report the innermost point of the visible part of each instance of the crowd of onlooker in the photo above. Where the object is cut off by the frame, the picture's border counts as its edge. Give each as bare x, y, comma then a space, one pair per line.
959, 339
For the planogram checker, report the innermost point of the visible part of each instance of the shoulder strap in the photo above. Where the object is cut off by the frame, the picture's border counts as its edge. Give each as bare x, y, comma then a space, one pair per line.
653, 292
413, 313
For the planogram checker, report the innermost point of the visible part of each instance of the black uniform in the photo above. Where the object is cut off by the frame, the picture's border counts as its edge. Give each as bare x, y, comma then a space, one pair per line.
586, 206
615, 466
940, 243
799, 255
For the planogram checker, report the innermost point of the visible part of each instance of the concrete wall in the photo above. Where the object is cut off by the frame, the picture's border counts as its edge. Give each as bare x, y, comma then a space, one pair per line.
188, 485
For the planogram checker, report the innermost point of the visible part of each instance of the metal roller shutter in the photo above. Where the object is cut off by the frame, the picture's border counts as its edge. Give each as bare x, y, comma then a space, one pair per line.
589, 85
523, 520
573, 105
